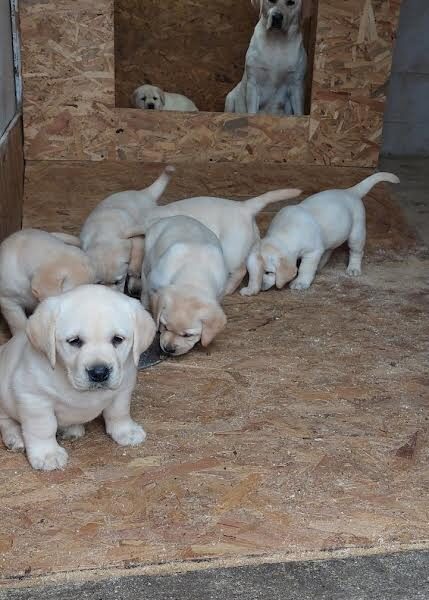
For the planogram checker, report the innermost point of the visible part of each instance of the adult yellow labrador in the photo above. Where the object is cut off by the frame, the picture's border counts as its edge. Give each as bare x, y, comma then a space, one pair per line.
77, 359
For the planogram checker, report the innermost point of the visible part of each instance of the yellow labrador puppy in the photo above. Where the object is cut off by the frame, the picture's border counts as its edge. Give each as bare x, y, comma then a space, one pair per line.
34, 265
233, 223
77, 359
104, 234
151, 97
183, 278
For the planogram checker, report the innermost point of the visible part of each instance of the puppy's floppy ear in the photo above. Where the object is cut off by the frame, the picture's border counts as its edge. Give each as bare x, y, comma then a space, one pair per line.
156, 306
213, 323
161, 96
286, 271
144, 330
41, 328
47, 281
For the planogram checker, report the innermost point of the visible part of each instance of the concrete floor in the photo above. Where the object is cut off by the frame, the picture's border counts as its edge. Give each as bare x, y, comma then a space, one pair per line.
413, 192
302, 431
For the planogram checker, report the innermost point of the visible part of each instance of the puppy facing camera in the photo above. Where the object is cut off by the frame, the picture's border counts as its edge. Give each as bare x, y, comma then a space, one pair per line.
151, 97
82, 349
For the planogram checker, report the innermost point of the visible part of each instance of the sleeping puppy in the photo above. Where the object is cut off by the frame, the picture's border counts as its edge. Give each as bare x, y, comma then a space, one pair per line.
310, 232
77, 359
34, 265
233, 223
150, 97
183, 278
276, 63
105, 239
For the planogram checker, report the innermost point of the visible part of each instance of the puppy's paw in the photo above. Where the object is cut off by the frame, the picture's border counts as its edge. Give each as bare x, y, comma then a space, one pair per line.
248, 291
299, 285
130, 435
49, 460
72, 432
13, 440
353, 271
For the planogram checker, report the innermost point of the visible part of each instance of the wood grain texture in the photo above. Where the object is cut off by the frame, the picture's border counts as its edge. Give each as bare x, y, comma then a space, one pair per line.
302, 428
11, 179
68, 76
352, 67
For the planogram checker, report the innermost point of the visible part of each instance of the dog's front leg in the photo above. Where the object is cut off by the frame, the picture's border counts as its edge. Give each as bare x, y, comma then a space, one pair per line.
234, 280
297, 98
135, 266
255, 268
119, 424
39, 427
252, 97
307, 271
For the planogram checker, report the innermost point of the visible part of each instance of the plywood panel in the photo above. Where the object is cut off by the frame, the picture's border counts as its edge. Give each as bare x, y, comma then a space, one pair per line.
11, 179
302, 428
69, 81
62, 192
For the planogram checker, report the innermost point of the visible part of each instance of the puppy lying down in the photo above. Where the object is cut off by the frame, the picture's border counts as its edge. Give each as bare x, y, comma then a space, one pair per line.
34, 265
151, 97
77, 359
310, 231
233, 223
183, 278
105, 233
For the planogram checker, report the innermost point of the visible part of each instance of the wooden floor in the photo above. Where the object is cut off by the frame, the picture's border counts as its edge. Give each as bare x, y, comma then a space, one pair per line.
303, 428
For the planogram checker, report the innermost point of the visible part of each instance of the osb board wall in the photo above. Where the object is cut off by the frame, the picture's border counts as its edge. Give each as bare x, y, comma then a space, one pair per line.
69, 96
191, 48
11, 178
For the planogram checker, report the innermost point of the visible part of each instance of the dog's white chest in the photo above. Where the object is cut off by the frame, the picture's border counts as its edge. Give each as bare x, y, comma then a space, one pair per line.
83, 408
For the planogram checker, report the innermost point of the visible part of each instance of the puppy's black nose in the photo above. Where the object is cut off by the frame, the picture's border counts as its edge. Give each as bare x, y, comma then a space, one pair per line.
99, 373
290, 3
151, 105
277, 20
169, 349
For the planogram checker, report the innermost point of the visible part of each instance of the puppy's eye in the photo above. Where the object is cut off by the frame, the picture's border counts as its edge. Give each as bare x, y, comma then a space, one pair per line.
76, 342
272, 1
188, 334
269, 273
117, 340
143, 98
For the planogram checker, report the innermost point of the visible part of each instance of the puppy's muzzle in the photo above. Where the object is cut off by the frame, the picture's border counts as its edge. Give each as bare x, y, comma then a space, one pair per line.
99, 373
277, 21
168, 349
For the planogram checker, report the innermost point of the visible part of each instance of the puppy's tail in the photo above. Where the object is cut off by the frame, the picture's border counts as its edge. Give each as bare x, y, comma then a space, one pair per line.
70, 240
255, 205
365, 186
157, 188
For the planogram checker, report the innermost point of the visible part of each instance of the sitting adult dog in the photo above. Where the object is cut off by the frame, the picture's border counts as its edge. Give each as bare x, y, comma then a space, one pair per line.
276, 63
77, 359
183, 278
105, 238
310, 232
34, 265
233, 223
151, 97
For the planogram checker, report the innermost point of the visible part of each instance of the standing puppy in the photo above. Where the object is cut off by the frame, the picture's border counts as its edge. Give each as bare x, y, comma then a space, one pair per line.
310, 231
183, 278
77, 359
105, 238
34, 265
276, 63
233, 223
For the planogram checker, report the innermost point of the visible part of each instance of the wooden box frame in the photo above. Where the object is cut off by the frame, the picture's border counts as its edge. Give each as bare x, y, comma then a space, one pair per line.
69, 94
